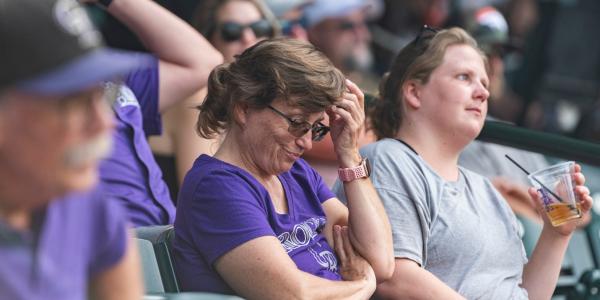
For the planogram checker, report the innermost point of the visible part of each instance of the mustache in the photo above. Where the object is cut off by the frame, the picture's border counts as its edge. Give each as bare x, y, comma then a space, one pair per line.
93, 150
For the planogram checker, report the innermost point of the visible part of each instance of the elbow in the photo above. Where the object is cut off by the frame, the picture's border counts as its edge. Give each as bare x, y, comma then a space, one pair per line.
384, 264
199, 73
384, 270
213, 59
302, 291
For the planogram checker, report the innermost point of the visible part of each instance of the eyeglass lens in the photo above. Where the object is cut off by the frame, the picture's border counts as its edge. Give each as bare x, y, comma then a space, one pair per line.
300, 128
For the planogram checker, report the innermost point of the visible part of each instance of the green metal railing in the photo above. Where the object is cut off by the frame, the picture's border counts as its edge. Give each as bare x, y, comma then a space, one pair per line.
541, 142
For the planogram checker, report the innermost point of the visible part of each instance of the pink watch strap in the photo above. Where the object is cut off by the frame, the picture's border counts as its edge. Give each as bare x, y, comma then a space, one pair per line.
349, 174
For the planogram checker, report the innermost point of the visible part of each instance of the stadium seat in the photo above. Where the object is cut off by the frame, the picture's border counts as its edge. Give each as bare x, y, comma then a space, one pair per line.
161, 238
152, 279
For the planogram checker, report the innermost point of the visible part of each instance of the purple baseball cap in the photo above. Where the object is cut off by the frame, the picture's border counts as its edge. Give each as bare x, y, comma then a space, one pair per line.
51, 47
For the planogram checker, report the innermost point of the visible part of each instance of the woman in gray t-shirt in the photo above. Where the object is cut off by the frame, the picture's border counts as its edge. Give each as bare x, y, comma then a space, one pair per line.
454, 236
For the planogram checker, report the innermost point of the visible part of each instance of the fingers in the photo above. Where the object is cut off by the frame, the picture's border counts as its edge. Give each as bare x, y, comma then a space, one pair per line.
350, 104
585, 200
537, 199
351, 116
579, 178
338, 242
348, 248
354, 89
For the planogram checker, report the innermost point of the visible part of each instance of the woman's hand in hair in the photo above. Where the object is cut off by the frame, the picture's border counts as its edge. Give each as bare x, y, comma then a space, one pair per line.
346, 119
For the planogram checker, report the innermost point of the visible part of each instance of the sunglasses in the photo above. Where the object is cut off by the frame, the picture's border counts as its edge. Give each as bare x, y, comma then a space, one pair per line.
232, 31
300, 128
349, 25
426, 34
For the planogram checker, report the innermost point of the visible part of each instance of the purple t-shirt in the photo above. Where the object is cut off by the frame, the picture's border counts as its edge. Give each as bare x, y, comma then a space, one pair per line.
221, 206
72, 240
131, 174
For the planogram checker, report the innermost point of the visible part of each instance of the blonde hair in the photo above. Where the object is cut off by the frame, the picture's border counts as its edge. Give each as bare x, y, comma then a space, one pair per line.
416, 61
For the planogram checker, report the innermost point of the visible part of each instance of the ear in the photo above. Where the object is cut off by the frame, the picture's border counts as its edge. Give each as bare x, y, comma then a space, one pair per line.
411, 92
240, 114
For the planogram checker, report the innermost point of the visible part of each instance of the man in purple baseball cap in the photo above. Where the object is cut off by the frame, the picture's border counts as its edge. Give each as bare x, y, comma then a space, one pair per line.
60, 236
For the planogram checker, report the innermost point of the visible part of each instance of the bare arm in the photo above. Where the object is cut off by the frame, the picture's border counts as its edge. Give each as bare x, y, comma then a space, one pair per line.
122, 281
410, 281
180, 122
370, 230
261, 269
541, 272
186, 58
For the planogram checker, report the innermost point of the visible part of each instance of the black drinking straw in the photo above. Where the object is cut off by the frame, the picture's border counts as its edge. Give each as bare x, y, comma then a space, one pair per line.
533, 177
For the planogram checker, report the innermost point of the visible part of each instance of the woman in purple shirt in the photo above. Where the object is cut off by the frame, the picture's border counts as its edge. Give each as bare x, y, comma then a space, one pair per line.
256, 220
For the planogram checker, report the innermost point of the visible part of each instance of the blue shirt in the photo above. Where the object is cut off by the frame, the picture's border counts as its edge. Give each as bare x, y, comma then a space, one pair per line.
71, 241
221, 206
131, 174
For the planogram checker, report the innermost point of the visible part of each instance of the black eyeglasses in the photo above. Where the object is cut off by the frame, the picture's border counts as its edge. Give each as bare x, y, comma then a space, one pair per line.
232, 31
299, 128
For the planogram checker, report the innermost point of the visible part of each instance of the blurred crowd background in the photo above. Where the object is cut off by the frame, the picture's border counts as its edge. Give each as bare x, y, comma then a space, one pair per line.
545, 54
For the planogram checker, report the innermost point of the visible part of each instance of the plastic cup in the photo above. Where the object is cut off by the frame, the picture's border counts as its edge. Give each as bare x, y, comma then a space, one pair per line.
556, 185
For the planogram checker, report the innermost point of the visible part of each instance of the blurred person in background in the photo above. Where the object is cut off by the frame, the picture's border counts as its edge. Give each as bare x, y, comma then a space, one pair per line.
61, 237
400, 23
230, 26
290, 14
130, 173
339, 29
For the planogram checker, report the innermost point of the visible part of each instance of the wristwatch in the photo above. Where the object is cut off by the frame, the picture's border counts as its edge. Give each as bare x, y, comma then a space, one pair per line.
361, 171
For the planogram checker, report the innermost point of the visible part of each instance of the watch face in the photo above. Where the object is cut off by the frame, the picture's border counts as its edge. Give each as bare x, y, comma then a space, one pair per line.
367, 164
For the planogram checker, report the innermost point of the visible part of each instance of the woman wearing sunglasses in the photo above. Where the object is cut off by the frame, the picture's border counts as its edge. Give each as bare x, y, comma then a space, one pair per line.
454, 236
255, 219
230, 26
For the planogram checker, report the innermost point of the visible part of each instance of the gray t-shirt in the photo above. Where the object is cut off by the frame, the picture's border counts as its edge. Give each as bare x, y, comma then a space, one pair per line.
463, 232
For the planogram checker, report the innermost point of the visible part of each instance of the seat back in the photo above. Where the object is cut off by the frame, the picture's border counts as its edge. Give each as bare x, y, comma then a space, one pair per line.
152, 278
161, 237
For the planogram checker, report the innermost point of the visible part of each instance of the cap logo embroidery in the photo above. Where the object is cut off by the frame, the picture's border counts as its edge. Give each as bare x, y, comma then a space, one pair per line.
73, 18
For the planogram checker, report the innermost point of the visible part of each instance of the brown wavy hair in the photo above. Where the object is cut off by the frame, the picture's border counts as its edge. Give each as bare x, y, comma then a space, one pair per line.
281, 68
416, 61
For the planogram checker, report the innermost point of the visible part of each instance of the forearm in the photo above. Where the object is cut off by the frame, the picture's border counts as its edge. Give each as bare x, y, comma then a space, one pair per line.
167, 36
541, 272
370, 230
413, 282
318, 288
186, 58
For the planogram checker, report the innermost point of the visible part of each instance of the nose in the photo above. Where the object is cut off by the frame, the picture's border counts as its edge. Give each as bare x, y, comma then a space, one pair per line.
305, 141
248, 38
481, 92
361, 32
